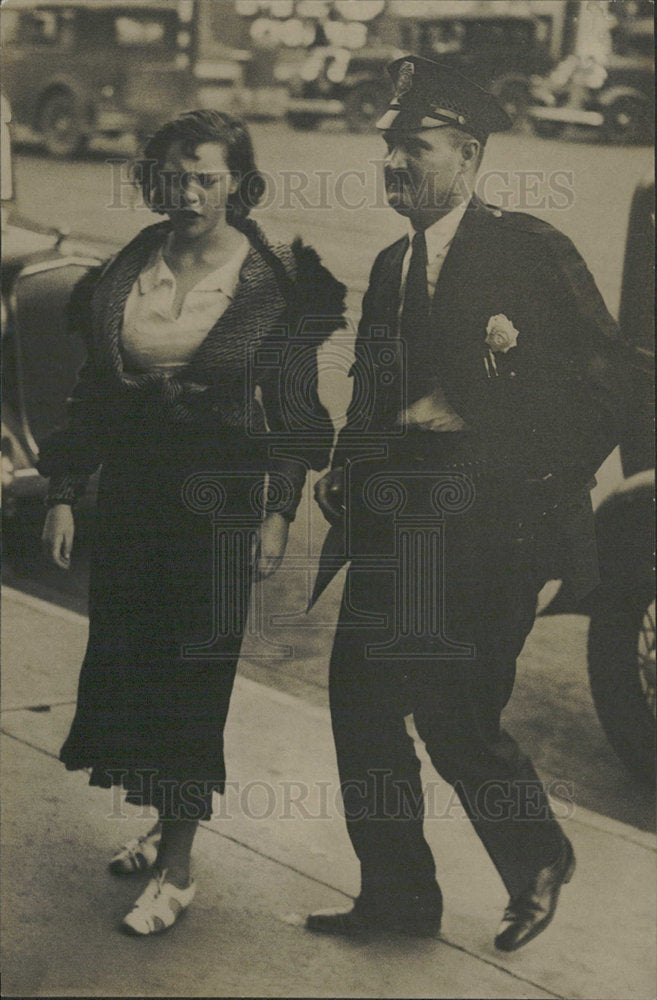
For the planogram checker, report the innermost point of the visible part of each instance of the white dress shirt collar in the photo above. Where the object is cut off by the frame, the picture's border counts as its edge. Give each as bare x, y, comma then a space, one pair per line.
441, 233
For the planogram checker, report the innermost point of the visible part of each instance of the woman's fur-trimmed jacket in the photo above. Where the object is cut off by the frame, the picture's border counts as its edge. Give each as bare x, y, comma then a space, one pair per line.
255, 371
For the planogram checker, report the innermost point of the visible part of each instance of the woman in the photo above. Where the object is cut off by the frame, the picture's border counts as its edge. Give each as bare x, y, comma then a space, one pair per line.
180, 401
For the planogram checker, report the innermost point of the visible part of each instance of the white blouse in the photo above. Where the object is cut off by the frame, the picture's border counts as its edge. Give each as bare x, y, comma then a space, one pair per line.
155, 340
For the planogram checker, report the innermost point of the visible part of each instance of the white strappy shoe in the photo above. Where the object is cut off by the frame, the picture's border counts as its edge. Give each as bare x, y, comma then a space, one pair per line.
138, 855
159, 906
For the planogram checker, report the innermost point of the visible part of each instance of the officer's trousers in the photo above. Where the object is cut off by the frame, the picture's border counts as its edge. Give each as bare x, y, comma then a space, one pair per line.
453, 669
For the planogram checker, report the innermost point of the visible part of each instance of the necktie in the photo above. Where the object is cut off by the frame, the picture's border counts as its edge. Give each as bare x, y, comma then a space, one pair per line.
415, 322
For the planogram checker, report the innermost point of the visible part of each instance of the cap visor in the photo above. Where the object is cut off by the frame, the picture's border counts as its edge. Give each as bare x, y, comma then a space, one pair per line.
402, 120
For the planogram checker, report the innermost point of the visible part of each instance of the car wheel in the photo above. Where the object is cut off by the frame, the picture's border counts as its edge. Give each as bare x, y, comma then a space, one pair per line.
61, 126
627, 120
621, 661
363, 105
303, 121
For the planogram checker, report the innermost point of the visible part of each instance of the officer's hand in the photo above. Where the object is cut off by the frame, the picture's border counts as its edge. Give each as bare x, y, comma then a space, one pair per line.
329, 494
57, 535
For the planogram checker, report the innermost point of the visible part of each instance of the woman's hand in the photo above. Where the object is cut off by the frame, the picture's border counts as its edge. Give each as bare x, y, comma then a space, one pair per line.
57, 535
270, 545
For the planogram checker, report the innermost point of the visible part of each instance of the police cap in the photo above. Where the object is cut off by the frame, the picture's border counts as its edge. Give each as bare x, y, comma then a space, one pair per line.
430, 95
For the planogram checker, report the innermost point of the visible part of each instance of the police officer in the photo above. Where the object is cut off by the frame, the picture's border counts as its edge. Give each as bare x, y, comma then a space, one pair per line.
487, 391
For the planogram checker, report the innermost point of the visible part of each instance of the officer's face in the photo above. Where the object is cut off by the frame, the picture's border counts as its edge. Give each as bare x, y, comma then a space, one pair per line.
195, 188
422, 171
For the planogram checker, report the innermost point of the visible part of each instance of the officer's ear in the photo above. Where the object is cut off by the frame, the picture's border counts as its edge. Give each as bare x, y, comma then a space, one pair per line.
471, 152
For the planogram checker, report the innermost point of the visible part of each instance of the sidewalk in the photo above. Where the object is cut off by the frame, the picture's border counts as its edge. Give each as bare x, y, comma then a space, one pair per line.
276, 849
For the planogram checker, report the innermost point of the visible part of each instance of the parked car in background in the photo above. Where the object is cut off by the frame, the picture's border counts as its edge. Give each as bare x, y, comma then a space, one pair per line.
501, 53
74, 70
40, 354
621, 640
614, 96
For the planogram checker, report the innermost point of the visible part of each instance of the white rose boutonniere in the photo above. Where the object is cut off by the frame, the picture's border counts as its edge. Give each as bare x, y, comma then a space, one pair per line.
501, 336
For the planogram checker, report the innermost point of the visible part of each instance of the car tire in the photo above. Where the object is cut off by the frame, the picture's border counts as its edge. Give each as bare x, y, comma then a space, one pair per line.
61, 126
621, 664
627, 120
363, 106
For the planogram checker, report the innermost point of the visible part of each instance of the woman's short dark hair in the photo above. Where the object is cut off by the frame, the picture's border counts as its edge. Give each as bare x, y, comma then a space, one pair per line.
190, 130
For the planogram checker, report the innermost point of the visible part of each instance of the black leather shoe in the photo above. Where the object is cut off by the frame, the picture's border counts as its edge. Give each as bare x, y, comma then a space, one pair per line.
366, 920
529, 913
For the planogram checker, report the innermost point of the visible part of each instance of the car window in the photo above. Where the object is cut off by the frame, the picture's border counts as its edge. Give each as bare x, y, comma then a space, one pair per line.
46, 28
522, 32
445, 37
505, 34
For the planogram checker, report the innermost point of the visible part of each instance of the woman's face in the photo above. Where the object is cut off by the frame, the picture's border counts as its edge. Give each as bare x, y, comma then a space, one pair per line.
195, 188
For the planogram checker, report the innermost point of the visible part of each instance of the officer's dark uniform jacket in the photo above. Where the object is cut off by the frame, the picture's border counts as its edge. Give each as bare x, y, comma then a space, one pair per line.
551, 412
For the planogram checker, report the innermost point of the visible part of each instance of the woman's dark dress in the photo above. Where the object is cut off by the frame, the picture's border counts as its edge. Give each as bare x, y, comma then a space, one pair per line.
180, 497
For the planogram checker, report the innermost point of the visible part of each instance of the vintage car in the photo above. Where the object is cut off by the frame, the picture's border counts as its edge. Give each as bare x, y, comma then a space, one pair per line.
104, 69
621, 640
40, 355
613, 96
500, 52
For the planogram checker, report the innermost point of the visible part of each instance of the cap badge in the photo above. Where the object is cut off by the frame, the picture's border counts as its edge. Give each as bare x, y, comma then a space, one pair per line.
404, 79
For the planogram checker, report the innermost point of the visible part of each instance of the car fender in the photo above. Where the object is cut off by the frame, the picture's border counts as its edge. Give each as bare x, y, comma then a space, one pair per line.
46, 351
15, 453
611, 94
624, 524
